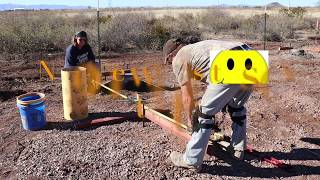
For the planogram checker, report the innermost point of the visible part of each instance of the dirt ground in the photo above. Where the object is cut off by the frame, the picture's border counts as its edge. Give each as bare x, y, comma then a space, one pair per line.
283, 122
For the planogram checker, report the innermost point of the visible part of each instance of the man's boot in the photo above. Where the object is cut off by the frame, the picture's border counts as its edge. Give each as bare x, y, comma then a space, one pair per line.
177, 160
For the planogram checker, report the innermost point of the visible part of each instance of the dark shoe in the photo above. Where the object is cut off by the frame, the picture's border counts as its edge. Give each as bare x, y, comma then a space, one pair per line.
177, 160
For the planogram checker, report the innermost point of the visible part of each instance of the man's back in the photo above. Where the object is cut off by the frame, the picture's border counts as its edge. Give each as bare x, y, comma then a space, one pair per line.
196, 58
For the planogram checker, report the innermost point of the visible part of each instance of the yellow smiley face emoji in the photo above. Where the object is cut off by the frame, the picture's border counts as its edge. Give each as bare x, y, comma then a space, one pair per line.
239, 67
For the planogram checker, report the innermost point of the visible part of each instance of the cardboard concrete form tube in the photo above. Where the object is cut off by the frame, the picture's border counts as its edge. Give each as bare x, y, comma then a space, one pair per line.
74, 91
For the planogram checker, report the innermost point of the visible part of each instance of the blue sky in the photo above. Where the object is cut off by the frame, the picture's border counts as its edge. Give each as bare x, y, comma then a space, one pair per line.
137, 3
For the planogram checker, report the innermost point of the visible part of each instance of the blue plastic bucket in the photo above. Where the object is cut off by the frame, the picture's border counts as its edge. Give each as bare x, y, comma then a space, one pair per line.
32, 110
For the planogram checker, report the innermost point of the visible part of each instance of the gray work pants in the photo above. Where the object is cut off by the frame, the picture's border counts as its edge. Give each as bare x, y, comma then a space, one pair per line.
214, 99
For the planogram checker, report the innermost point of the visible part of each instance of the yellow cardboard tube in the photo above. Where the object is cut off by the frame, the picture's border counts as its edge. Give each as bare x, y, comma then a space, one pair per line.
74, 91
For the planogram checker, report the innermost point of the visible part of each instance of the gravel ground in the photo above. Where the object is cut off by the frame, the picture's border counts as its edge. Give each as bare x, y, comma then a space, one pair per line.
283, 123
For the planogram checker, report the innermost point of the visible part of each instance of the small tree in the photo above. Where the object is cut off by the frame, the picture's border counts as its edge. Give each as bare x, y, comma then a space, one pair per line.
293, 12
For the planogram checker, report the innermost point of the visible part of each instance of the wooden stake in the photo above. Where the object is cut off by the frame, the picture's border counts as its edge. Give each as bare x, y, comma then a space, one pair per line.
42, 63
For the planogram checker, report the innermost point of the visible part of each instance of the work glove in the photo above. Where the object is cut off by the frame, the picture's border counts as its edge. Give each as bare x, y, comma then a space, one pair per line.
194, 122
196, 125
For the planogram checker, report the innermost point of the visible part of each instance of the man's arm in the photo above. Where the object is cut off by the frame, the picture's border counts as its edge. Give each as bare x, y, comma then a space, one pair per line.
182, 71
187, 100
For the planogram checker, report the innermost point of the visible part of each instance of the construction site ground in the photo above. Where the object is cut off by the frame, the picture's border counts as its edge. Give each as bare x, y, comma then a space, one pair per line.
283, 122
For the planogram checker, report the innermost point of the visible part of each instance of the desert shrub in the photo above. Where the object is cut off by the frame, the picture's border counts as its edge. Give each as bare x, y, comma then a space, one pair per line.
183, 26
216, 20
286, 26
273, 36
159, 34
125, 31
293, 12
279, 27
252, 26
46, 31
138, 31
43, 32
305, 23
186, 25
105, 19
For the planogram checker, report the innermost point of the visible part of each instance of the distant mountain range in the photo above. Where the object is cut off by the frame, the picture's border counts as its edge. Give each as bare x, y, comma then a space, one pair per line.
4, 7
